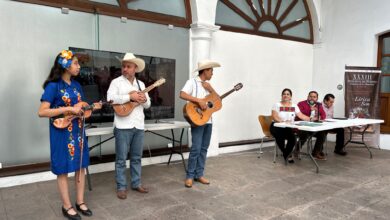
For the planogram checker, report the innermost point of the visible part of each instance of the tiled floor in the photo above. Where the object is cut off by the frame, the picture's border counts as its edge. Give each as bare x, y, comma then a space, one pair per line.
242, 187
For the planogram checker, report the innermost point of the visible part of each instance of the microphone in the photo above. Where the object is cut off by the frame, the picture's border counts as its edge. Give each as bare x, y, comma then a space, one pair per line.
318, 111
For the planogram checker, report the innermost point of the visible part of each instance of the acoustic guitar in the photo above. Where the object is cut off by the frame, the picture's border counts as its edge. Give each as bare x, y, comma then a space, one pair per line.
198, 117
125, 109
63, 121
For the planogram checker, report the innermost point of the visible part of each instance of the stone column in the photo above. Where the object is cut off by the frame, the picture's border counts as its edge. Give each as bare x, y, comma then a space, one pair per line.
202, 29
201, 37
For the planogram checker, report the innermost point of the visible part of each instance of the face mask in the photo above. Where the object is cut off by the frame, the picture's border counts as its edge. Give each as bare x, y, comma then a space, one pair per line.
311, 102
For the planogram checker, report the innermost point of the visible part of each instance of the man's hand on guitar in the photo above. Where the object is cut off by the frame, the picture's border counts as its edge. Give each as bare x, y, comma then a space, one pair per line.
142, 97
202, 104
139, 97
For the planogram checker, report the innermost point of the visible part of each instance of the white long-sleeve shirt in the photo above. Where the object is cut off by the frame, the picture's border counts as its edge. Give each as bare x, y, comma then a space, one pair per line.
119, 93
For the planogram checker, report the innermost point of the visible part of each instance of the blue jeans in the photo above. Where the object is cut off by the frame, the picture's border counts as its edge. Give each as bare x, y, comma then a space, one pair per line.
128, 141
200, 143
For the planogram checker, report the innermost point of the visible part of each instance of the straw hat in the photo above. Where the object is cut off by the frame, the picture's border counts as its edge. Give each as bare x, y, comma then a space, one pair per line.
206, 64
129, 57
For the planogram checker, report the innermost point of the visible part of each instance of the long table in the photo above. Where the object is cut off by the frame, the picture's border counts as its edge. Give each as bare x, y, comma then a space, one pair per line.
152, 128
329, 124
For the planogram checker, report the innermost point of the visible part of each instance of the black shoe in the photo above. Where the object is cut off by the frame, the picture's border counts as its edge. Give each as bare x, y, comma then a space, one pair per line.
87, 212
69, 216
290, 159
340, 152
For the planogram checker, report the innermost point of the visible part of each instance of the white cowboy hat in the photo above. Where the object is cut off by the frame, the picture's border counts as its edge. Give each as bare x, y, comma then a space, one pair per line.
129, 57
206, 64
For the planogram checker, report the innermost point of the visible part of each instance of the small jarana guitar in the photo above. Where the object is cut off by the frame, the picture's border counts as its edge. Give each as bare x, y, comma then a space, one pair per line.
198, 117
63, 121
125, 109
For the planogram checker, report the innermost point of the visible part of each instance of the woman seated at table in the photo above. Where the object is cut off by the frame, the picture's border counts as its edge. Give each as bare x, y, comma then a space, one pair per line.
285, 111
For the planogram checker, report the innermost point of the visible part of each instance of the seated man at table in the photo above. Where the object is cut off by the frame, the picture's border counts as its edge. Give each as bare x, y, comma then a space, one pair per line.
313, 109
328, 107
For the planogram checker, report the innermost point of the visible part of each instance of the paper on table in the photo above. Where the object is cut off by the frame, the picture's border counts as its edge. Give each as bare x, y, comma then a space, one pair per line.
310, 124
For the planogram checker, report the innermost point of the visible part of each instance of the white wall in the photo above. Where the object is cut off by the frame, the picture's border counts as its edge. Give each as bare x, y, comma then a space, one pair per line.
265, 66
29, 40
349, 37
31, 36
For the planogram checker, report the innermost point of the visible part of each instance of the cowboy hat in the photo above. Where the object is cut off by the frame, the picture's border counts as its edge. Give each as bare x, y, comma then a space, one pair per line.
206, 64
129, 57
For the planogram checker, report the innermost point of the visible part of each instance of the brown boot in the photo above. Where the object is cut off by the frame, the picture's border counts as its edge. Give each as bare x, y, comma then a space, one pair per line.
202, 180
141, 189
188, 183
318, 156
121, 194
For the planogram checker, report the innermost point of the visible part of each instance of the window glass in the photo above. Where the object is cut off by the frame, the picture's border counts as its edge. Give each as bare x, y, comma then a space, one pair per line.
268, 26
302, 30
226, 16
109, 2
297, 12
385, 85
386, 46
244, 7
169, 7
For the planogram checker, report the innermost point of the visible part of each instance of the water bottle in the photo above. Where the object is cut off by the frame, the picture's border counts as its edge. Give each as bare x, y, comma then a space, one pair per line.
312, 115
292, 117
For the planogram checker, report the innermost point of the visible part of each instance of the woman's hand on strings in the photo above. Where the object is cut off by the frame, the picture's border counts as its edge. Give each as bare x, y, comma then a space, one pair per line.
76, 110
97, 105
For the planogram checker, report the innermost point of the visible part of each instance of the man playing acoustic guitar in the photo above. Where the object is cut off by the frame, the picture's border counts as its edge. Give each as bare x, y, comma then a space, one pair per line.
194, 91
129, 129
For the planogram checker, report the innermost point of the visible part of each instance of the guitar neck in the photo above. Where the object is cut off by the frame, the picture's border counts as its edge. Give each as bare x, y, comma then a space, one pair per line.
149, 88
227, 93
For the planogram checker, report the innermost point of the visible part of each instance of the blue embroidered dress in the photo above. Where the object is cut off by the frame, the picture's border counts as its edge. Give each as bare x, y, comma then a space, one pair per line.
65, 144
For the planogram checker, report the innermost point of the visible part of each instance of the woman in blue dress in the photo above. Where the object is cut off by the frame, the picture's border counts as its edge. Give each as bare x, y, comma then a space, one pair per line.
61, 93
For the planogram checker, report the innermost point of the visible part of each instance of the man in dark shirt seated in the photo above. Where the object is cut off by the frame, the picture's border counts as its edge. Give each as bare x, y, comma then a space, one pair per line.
328, 107
313, 109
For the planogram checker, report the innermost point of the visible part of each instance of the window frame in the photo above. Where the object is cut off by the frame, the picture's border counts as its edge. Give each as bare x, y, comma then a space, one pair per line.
267, 17
385, 97
380, 49
119, 11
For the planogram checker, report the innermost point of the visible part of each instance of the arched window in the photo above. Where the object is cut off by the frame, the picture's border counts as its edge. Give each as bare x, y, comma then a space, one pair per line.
284, 19
384, 64
175, 12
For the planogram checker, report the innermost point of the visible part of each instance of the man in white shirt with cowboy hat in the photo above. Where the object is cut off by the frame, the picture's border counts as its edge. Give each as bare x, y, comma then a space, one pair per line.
129, 130
194, 91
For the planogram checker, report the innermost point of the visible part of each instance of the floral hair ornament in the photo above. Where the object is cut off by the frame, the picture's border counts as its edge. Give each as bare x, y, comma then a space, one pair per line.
65, 59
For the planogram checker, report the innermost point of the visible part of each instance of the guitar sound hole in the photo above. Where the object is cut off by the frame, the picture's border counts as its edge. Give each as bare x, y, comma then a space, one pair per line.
199, 111
210, 104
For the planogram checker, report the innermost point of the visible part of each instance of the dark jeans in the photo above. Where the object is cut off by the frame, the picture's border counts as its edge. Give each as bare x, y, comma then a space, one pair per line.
281, 135
128, 141
201, 136
339, 138
320, 139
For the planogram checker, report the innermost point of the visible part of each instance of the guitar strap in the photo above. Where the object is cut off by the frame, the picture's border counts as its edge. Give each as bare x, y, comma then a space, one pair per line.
139, 87
196, 89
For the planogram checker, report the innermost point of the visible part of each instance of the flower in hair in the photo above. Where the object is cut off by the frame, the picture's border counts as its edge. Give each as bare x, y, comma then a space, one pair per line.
65, 59
67, 54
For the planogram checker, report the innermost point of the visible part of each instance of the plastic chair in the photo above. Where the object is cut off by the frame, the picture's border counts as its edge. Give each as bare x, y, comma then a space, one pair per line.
265, 123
